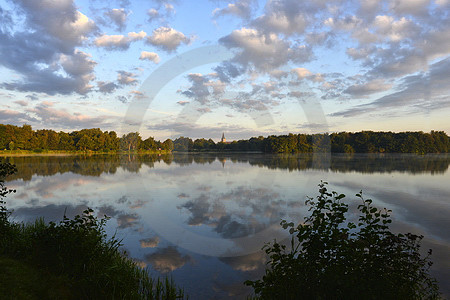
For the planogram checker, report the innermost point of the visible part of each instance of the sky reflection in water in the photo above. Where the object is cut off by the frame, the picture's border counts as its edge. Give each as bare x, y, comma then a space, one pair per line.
204, 218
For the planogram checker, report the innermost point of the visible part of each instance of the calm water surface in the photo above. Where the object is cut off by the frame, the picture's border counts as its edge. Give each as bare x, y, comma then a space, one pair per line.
203, 219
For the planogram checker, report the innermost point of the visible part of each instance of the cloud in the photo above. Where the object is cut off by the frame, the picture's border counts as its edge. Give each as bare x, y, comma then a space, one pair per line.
423, 91
167, 259
258, 209
302, 72
367, 88
106, 87
242, 9
32, 97
122, 99
163, 11
118, 16
168, 39
127, 220
150, 242
59, 20
152, 56
51, 212
107, 210
229, 70
393, 30
126, 78
14, 117
43, 52
265, 51
119, 42
288, 17
199, 89
21, 102
414, 7
193, 130
46, 114
251, 262
152, 14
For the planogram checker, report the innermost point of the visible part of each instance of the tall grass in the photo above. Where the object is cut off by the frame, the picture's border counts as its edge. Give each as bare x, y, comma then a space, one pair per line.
72, 259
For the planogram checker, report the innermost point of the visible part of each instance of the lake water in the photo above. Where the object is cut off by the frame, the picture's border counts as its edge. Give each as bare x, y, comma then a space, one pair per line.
203, 218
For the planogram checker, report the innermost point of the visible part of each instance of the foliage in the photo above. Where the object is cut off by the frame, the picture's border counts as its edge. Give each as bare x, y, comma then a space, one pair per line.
6, 169
342, 142
72, 259
25, 138
330, 258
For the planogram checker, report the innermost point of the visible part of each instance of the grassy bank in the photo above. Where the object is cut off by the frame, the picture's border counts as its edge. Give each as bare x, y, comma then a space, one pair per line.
70, 153
72, 259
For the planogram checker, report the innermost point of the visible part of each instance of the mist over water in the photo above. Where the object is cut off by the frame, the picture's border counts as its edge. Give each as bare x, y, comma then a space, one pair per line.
203, 218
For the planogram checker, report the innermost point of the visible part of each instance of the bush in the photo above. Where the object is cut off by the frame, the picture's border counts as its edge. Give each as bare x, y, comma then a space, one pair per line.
73, 259
331, 258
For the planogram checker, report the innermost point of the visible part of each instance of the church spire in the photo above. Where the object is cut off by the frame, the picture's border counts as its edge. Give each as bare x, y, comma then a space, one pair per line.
223, 140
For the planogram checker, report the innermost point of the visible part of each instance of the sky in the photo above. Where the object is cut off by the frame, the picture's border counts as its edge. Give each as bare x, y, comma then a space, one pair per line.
170, 68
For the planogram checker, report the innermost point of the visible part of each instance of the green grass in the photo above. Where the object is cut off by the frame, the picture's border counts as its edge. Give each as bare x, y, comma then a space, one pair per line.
38, 152
20, 280
73, 259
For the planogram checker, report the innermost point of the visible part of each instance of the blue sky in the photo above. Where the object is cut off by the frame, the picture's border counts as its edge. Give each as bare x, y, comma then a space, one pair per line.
254, 67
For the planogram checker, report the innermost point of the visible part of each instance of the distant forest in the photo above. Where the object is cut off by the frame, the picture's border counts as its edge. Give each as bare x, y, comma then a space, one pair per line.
25, 138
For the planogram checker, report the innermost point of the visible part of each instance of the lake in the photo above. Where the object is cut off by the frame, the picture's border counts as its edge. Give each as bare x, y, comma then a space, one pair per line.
203, 218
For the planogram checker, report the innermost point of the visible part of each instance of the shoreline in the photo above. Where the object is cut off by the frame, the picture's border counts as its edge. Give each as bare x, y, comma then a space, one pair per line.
75, 153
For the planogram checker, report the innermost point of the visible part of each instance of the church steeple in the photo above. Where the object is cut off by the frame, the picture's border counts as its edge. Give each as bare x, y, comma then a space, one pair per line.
223, 140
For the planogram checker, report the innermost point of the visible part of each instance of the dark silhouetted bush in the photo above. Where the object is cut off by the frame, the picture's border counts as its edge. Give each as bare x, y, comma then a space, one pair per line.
332, 258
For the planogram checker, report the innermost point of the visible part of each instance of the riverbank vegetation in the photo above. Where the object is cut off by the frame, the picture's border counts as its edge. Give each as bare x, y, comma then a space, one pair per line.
15, 138
331, 258
19, 139
72, 259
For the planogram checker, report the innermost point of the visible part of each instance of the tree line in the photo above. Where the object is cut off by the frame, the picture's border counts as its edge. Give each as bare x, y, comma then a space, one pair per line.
25, 138
342, 142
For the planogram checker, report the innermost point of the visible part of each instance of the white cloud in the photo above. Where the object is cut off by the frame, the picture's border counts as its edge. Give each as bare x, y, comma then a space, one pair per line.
152, 56
394, 30
80, 67
168, 39
423, 91
126, 78
44, 52
415, 7
264, 51
302, 72
242, 9
118, 16
281, 23
152, 14
119, 42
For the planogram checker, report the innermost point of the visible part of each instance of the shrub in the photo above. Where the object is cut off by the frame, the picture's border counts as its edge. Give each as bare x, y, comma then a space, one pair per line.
331, 258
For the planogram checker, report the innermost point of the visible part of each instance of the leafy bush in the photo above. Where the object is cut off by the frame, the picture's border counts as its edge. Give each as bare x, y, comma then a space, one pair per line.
73, 259
331, 258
